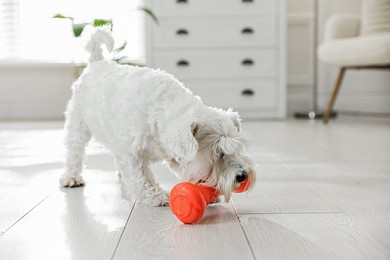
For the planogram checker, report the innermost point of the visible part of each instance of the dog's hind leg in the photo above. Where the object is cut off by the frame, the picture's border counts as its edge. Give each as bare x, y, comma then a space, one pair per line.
77, 136
140, 181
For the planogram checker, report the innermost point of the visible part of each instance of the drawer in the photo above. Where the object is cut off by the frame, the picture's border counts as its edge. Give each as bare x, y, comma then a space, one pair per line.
209, 33
217, 64
240, 95
213, 7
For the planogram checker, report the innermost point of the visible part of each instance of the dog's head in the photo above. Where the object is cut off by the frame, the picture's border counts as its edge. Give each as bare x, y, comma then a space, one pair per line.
222, 160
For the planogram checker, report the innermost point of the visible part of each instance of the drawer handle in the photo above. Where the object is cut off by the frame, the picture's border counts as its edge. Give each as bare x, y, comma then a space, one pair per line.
248, 92
247, 30
182, 32
247, 62
247, 1
183, 63
181, 1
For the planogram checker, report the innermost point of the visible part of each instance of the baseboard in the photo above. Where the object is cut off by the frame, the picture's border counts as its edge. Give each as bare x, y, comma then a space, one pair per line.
359, 102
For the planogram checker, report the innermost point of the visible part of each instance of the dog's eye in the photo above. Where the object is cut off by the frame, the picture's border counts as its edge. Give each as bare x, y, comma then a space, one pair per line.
221, 155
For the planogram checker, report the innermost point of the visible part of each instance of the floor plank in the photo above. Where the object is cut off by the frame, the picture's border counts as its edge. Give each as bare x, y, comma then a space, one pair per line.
328, 185
79, 223
31, 147
310, 236
19, 195
363, 197
350, 142
278, 190
30, 160
155, 233
347, 162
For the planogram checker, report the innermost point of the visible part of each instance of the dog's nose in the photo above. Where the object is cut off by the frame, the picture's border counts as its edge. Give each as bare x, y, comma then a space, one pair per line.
242, 177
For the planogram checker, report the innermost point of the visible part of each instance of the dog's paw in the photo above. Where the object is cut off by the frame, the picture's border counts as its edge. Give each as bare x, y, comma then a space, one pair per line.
155, 196
72, 181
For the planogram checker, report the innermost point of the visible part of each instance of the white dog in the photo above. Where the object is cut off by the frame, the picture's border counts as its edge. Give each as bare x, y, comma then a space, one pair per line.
143, 116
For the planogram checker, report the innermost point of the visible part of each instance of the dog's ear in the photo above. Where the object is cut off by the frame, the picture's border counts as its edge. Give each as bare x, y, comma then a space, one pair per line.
235, 117
179, 141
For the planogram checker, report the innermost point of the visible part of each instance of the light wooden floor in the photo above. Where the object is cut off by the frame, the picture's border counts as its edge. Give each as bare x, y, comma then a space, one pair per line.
323, 193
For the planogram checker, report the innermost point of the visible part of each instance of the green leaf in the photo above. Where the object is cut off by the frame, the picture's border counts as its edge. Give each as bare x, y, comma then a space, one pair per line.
120, 59
126, 60
102, 22
149, 12
62, 16
78, 28
121, 48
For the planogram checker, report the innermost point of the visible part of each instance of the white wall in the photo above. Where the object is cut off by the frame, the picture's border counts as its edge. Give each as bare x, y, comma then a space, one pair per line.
34, 92
41, 92
300, 51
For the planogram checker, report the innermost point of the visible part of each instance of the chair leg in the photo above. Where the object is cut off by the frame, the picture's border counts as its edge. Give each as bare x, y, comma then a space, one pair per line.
335, 91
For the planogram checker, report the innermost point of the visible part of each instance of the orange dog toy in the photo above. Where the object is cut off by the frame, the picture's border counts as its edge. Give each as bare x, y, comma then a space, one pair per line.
188, 201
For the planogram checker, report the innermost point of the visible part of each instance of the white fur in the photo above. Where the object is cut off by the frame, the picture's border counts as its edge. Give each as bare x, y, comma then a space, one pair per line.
144, 116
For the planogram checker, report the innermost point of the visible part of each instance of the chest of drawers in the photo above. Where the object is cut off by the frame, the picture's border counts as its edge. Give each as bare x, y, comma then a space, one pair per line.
229, 52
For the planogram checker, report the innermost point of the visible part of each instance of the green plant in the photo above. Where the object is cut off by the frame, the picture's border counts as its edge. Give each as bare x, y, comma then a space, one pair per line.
78, 27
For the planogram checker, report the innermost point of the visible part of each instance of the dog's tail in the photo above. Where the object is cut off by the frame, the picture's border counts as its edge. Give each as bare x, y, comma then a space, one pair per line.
100, 36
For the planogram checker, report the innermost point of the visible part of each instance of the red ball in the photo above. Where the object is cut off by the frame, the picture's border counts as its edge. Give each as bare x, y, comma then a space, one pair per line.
244, 186
189, 201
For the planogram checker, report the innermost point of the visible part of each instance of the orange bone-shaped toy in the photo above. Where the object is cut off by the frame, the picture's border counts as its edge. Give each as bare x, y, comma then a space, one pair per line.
188, 201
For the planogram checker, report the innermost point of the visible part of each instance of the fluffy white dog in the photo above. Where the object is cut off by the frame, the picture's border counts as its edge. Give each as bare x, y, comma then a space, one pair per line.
143, 116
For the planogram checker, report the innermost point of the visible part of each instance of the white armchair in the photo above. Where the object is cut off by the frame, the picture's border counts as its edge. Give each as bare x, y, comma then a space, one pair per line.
354, 42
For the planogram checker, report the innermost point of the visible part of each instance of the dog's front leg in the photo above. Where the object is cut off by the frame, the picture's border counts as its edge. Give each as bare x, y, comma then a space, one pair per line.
140, 181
